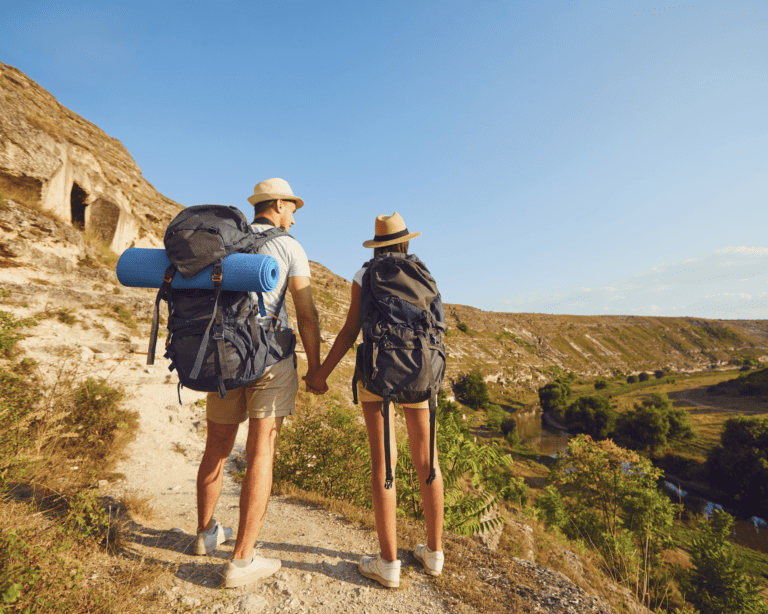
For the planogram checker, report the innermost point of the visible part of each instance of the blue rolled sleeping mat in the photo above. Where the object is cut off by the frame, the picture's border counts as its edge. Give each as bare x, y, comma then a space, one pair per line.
144, 268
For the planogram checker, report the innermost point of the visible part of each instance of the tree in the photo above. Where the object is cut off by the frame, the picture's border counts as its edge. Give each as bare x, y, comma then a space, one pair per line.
631, 379
607, 496
717, 582
739, 465
591, 415
554, 396
652, 423
643, 377
472, 390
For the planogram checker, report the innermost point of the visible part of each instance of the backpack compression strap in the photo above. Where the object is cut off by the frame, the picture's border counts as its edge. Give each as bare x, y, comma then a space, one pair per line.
432, 407
217, 315
165, 289
432, 428
388, 479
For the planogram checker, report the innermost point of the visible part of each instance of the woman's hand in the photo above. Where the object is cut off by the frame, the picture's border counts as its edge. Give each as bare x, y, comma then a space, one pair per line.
315, 384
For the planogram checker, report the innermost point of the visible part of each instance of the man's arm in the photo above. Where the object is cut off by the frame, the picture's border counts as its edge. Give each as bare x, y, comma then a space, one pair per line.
307, 320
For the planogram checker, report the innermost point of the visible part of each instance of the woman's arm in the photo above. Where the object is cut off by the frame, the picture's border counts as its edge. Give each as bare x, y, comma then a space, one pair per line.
343, 342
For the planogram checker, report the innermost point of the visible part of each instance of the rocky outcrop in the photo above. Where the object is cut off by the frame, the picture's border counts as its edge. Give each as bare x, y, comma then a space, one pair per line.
54, 160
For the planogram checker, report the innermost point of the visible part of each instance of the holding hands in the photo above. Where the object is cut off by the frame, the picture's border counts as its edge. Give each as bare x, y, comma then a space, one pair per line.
315, 383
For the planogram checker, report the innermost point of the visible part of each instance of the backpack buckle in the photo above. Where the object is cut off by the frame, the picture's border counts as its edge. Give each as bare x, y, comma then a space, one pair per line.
168, 278
216, 277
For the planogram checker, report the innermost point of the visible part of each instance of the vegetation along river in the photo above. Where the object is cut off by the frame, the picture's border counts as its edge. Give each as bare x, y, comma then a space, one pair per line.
549, 440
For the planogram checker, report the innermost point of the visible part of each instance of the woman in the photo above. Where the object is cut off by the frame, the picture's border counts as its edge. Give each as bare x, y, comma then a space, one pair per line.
391, 235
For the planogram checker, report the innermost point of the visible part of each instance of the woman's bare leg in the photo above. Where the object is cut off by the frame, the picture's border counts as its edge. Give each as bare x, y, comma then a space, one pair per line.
417, 421
384, 500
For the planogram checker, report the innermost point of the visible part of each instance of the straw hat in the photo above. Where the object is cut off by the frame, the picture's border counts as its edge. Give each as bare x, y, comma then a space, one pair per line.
390, 229
274, 189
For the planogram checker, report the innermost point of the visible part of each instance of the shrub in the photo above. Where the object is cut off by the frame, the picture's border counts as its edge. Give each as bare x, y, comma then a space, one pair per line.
652, 423
631, 379
601, 383
659, 373
607, 496
326, 453
554, 396
471, 389
463, 327
739, 465
495, 415
643, 377
717, 582
591, 415
97, 418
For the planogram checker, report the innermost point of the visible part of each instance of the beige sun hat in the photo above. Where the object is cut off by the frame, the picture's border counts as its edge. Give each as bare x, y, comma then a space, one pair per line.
390, 229
274, 189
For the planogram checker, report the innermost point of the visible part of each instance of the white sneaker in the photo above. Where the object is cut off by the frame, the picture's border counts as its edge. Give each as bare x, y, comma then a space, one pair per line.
384, 572
207, 541
432, 561
260, 567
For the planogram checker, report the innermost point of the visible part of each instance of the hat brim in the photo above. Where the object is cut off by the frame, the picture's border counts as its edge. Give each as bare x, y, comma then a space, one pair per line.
255, 200
408, 237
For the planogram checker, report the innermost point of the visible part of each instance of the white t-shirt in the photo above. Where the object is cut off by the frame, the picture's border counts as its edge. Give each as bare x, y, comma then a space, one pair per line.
359, 277
293, 262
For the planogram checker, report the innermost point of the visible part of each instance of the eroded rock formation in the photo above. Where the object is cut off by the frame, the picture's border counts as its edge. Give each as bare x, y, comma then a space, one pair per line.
54, 160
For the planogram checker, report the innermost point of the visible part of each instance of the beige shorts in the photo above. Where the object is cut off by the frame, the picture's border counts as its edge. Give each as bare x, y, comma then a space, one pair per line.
273, 395
368, 397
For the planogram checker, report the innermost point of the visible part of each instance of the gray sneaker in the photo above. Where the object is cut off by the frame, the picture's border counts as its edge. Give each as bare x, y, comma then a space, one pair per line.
384, 572
260, 567
207, 541
432, 561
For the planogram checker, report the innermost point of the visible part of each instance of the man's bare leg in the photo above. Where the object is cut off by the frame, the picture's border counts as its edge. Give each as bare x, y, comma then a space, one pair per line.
257, 484
210, 475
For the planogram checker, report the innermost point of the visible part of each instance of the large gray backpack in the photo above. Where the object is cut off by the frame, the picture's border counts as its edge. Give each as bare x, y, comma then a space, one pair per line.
402, 357
214, 340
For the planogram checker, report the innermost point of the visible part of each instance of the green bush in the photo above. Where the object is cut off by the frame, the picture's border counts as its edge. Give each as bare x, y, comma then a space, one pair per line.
495, 415
717, 583
601, 383
9, 335
554, 396
97, 417
326, 453
652, 423
643, 377
463, 327
471, 389
739, 464
631, 379
591, 415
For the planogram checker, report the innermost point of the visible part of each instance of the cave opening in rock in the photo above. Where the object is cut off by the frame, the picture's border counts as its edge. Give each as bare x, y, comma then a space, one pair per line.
77, 206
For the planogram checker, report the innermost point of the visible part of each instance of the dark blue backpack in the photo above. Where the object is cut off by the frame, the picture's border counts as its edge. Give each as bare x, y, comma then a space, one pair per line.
402, 357
214, 341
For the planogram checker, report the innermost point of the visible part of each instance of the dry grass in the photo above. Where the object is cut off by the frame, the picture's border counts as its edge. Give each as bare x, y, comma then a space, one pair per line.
137, 506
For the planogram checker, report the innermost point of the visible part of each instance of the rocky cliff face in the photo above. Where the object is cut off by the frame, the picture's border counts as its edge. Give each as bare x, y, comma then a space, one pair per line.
54, 160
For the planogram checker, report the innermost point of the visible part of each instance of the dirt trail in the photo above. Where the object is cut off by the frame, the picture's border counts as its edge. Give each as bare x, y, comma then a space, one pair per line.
318, 549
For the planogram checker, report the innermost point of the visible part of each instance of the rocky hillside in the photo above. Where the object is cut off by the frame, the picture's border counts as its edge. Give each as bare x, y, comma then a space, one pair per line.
55, 160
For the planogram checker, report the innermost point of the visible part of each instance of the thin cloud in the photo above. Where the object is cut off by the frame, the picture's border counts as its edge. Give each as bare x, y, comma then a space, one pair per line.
724, 284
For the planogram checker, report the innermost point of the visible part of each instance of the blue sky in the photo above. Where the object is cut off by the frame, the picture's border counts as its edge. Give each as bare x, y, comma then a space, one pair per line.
559, 157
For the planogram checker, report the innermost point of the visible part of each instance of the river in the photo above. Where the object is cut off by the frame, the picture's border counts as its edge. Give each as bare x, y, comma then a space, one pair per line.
748, 532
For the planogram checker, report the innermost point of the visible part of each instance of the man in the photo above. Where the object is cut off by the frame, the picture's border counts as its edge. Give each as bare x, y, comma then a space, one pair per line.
265, 402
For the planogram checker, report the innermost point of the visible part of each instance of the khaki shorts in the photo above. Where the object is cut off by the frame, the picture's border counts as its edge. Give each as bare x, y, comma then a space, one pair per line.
368, 397
273, 395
